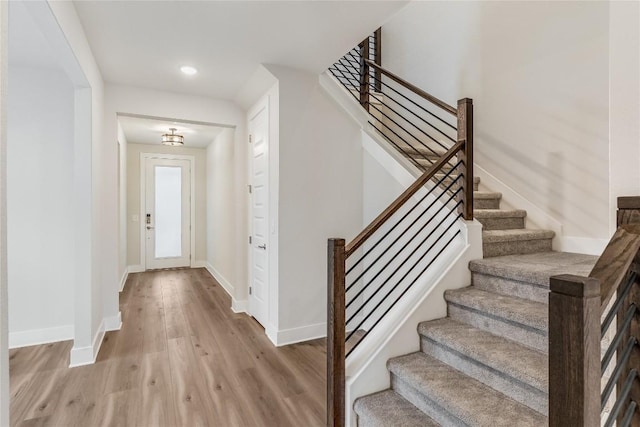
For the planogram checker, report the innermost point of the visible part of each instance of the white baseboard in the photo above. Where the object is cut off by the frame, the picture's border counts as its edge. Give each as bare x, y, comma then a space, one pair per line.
113, 323
81, 356
226, 285
199, 264
239, 306
135, 269
40, 336
123, 279
295, 335
582, 245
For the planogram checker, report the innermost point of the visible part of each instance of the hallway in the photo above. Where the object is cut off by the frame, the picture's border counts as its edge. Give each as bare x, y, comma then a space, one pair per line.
182, 358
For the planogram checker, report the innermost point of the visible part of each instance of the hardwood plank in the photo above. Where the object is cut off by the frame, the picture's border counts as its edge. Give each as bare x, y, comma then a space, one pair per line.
157, 405
189, 394
182, 357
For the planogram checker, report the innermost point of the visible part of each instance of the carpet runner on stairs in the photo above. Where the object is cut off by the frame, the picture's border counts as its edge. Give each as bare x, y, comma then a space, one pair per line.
486, 363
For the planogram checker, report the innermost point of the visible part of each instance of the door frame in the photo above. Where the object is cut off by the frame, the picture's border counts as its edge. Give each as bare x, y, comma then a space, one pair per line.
262, 104
143, 202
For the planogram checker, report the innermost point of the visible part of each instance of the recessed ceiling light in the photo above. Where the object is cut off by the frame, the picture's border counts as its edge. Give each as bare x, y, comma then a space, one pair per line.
188, 70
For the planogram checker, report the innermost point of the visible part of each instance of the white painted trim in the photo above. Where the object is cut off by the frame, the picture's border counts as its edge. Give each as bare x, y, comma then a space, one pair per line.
135, 269
81, 356
272, 334
143, 201
582, 245
300, 334
199, 264
113, 323
239, 306
245, 306
123, 279
40, 336
226, 285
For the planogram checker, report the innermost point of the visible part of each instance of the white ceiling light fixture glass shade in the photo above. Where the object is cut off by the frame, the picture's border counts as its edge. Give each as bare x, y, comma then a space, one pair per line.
172, 138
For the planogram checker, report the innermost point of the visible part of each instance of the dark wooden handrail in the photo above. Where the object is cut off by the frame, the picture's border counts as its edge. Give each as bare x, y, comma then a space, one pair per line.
576, 306
401, 200
613, 265
446, 107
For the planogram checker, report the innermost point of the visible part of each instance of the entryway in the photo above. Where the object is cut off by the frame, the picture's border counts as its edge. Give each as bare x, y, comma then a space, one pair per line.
167, 207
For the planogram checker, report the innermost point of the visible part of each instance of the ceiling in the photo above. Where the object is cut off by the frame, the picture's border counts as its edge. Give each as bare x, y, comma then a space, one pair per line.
146, 130
144, 43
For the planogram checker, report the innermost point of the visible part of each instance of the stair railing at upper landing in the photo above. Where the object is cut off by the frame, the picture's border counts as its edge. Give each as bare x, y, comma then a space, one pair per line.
595, 313
369, 275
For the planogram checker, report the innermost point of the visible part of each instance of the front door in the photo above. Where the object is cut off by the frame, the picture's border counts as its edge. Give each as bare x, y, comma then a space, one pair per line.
167, 218
258, 291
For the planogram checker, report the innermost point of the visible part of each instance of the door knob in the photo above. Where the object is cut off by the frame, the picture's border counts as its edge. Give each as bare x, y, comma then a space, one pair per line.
264, 246
149, 227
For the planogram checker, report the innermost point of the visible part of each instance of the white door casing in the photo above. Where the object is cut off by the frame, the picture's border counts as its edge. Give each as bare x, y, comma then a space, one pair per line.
166, 244
259, 215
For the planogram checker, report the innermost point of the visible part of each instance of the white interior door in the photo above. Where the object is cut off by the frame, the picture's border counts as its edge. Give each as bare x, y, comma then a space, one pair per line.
259, 284
167, 218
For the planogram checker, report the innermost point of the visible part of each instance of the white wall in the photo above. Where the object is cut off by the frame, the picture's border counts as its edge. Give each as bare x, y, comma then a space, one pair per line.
221, 218
146, 102
40, 215
538, 74
91, 318
319, 160
133, 198
624, 102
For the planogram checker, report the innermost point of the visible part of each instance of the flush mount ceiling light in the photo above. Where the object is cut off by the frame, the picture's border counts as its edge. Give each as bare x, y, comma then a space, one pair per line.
172, 138
188, 70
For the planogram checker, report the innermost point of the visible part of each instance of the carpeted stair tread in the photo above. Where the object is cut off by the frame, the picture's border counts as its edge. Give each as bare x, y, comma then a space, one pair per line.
458, 396
499, 213
535, 268
518, 310
388, 408
498, 236
483, 195
500, 354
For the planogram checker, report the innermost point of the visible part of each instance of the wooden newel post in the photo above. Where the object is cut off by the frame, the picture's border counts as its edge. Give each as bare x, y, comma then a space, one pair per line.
465, 134
574, 351
336, 334
364, 74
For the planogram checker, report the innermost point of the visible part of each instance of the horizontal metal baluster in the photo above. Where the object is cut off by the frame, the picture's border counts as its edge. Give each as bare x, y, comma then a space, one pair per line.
628, 416
402, 278
617, 371
403, 293
361, 275
621, 400
368, 251
418, 105
401, 127
386, 95
616, 306
631, 311
421, 167
403, 248
357, 61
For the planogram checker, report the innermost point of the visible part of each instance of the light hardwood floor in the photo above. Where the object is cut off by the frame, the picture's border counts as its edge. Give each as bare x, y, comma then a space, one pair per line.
182, 358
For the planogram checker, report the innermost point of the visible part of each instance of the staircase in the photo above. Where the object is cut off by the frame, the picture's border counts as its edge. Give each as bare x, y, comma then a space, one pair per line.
486, 363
